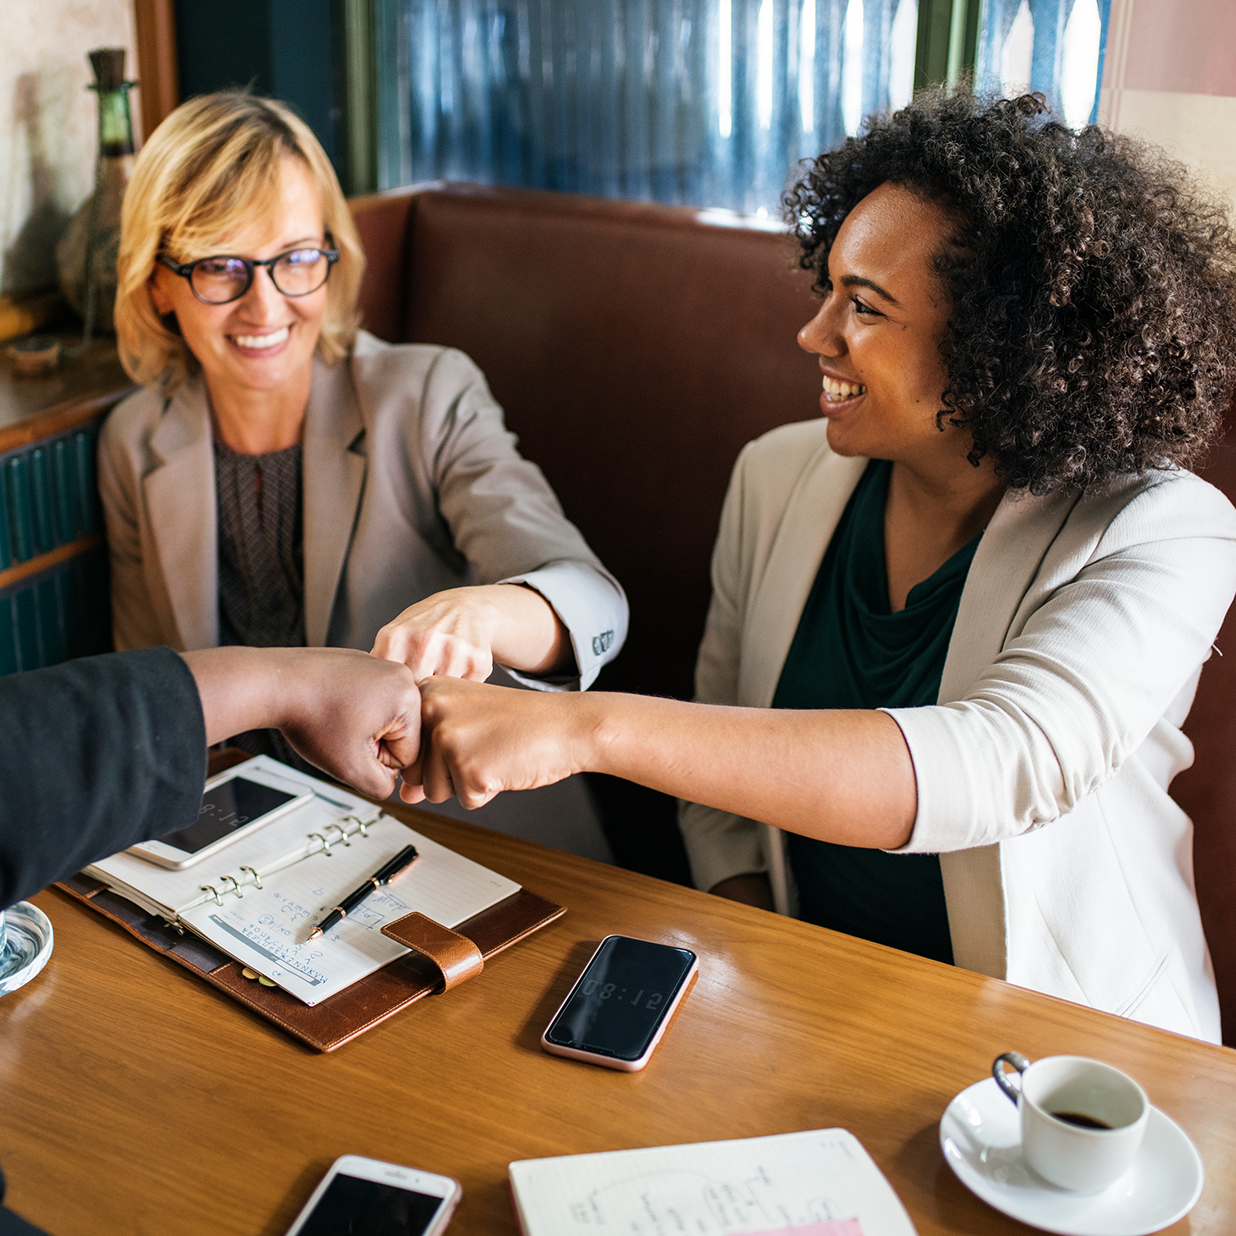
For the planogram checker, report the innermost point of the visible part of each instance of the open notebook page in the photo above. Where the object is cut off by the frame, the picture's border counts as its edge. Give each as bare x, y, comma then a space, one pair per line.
267, 929
816, 1183
283, 841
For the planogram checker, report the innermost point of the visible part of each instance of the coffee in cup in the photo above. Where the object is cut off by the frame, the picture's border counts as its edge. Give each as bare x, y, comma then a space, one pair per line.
1082, 1121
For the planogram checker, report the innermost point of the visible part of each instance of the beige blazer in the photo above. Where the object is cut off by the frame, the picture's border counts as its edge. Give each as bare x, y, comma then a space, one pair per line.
412, 484
1042, 773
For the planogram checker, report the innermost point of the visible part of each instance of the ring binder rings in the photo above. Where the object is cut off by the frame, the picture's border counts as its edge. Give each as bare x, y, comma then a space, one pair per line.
228, 938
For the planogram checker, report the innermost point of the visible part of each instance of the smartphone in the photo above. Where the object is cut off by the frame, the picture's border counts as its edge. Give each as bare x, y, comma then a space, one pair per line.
366, 1197
618, 1009
234, 804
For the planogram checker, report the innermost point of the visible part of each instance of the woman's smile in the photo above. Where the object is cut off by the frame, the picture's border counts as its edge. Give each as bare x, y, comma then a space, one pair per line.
838, 391
261, 344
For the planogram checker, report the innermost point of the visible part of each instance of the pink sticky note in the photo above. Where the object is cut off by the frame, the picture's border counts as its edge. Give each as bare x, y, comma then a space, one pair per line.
830, 1227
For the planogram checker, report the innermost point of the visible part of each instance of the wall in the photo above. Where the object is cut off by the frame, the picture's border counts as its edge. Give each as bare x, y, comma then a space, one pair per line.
1170, 76
48, 134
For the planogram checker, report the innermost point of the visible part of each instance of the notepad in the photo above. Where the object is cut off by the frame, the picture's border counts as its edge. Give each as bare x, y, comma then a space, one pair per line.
259, 900
816, 1183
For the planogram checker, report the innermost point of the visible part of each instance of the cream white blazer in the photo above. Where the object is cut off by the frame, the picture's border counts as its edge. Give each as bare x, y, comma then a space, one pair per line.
1043, 770
412, 484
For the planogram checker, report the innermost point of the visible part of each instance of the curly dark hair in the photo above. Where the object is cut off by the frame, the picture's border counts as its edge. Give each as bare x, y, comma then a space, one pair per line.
1093, 291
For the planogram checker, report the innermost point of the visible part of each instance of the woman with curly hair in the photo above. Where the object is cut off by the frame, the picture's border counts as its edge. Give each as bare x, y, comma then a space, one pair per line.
287, 479
958, 621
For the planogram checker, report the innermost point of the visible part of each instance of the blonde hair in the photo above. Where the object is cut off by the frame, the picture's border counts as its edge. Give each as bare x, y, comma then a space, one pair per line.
207, 170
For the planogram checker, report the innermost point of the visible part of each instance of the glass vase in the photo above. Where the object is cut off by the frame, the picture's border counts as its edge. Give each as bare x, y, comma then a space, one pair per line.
86, 253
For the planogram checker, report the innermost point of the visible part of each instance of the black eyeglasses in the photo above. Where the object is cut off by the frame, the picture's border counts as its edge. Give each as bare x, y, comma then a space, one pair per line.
220, 280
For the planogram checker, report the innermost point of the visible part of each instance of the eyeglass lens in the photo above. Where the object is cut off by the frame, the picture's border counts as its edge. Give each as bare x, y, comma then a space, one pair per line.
219, 280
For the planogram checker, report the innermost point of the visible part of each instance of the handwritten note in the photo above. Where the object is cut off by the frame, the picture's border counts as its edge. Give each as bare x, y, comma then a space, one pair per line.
817, 1183
267, 929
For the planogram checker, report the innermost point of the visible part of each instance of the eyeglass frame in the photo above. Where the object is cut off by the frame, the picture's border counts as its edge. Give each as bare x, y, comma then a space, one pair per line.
185, 271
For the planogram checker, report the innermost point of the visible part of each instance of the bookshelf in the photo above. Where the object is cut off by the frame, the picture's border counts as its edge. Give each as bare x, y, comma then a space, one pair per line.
53, 561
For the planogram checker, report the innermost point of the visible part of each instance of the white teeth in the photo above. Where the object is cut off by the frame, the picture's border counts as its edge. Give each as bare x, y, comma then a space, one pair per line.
262, 341
842, 390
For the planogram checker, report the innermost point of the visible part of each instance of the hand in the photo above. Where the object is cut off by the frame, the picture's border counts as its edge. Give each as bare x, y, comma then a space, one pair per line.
460, 633
355, 716
478, 740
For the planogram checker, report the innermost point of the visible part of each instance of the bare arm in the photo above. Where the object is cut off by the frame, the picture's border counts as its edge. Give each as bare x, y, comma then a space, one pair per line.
353, 715
841, 776
463, 631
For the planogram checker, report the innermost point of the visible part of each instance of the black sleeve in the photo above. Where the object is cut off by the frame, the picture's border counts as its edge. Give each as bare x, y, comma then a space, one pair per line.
15, 1225
95, 755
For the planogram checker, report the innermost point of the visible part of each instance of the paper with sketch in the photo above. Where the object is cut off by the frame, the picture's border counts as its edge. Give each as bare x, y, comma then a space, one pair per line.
816, 1183
266, 929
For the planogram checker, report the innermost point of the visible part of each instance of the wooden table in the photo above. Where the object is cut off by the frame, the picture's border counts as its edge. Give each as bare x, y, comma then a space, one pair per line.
135, 1099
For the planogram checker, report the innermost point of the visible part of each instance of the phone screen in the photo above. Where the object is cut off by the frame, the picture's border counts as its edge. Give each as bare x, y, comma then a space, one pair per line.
620, 998
370, 1208
225, 808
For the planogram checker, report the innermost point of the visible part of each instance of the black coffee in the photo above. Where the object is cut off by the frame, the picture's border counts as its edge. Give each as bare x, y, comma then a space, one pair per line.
1080, 1118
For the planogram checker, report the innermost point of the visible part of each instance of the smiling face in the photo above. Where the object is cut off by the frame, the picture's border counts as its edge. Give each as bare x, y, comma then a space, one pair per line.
263, 343
879, 330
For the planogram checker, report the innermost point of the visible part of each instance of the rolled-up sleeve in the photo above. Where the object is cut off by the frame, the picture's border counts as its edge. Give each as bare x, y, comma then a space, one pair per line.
1110, 654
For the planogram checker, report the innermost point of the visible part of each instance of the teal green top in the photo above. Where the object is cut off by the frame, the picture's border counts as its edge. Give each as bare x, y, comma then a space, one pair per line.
852, 651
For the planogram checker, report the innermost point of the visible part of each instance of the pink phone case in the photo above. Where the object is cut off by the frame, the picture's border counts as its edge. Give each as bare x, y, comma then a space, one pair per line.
609, 1062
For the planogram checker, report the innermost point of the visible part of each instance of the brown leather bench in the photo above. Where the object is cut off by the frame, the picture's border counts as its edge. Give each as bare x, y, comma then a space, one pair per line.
1207, 791
635, 349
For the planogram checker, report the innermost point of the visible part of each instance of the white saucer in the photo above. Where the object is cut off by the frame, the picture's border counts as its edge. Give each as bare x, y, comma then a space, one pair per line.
980, 1134
28, 945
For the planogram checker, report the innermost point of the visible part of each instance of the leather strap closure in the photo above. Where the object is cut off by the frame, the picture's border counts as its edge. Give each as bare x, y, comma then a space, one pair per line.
455, 955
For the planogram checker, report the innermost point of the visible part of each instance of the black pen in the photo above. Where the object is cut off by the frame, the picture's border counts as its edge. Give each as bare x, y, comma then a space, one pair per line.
384, 875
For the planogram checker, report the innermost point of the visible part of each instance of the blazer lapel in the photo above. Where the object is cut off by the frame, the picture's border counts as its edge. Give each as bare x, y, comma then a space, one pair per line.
334, 481
777, 598
1005, 564
180, 502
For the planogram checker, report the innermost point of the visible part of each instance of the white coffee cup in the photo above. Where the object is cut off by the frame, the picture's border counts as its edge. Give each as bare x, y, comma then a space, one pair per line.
1082, 1121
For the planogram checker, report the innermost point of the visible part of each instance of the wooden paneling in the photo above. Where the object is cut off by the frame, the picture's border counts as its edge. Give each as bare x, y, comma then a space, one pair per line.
156, 61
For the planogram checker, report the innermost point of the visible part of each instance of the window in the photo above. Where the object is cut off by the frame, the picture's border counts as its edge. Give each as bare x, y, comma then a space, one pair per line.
1054, 46
704, 102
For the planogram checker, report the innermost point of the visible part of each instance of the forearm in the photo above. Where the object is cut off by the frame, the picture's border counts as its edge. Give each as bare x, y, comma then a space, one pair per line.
247, 689
840, 776
528, 635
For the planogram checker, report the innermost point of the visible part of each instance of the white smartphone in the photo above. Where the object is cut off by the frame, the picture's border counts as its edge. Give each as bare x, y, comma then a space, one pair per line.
371, 1198
235, 803
620, 1006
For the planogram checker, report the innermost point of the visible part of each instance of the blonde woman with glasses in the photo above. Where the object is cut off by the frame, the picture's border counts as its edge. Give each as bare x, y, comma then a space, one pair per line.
284, 478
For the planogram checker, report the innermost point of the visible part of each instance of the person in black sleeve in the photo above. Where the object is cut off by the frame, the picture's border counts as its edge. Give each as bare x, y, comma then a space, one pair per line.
100, 753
